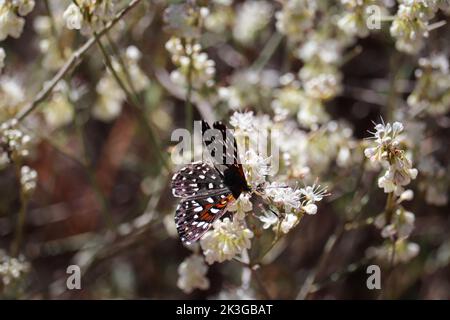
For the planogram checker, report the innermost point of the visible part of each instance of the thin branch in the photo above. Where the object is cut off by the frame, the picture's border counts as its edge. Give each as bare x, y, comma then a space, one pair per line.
73, 61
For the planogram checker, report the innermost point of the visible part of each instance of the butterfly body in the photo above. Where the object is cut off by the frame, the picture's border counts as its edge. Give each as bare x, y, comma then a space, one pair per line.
207, 190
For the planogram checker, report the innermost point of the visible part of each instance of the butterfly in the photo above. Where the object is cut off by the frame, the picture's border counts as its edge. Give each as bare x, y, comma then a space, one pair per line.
207, 190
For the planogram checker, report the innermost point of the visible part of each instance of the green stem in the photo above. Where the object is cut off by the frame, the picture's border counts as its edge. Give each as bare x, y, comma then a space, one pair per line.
267, 52
15, 247
141, 117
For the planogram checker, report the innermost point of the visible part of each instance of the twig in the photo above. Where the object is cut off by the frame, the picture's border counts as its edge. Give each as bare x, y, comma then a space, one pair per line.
73, 61
267, 52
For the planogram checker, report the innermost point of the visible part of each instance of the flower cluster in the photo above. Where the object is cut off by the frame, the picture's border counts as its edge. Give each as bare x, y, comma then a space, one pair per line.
249, 87
251, 18
432, 90
192, 272
110, 95
401, 252
193, 66
396, 223
12, 97
11, 17
227, 239
387, 151
28, 179
12, 270
59, 110
88, 15
411, 24
356, 16
295, 17
14, 143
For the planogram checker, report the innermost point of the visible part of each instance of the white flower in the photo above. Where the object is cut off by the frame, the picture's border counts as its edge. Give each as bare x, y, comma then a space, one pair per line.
12, 269
252, 17
288, 222
10, 24
285, 196
269, 219
243, 121
406, 195
28, 178
256, 168
313, 193
401, 224
24, 6
241, 206
226, 240
110, 98
73, 17
404, 251
310, 208
192, 272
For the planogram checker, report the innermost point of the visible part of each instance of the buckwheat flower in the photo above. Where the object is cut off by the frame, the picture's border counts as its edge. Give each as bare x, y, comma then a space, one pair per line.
11, 20
314, 193
110, 98
284, 196
243, 121
251, 18
2, 58
431, 93
295, 17
59, 111
386, 137
226, 240
289, 221
192, 64
13, 141
192, 274
10, 23
28, 179
24, 7
241, 206
12, 269
410, 25
256, 168
268, 218
73, 17
400, 226
404, 252
399, 174
321, 82
406, 195
356, 16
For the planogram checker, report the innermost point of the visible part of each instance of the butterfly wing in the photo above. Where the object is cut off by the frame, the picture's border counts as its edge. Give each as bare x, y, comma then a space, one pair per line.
194, 217
195, 179
221, 139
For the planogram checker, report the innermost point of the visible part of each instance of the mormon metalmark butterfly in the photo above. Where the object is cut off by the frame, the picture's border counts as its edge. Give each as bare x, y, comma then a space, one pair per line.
207, 190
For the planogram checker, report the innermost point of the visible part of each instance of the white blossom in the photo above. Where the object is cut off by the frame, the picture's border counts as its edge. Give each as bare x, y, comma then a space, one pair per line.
226, 240
241, 206
192, 274
289, 221
269, 219
73, 17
